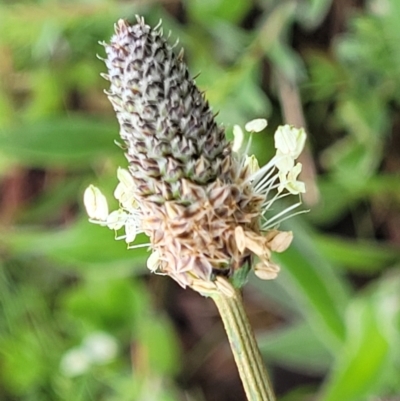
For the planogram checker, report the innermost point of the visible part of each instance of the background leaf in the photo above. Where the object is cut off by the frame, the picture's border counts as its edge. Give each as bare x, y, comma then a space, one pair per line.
328, 326
73, 141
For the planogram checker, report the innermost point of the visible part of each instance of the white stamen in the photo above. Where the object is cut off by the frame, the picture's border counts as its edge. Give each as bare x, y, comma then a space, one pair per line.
256, 125
290, 141
139, 246
238, 137
153, 261
116, 219
276, 220
95, 203
259, 175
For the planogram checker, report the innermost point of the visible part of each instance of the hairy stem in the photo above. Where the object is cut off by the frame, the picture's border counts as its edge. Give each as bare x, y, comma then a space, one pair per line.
244, 347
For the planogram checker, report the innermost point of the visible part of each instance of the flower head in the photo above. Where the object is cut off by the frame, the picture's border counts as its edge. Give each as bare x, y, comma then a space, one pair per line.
199, 201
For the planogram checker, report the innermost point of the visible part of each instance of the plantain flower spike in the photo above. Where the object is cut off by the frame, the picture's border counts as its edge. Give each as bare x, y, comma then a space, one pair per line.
201, 202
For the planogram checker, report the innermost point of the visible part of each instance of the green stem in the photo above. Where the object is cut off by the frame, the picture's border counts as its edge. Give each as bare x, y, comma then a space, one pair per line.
244, 347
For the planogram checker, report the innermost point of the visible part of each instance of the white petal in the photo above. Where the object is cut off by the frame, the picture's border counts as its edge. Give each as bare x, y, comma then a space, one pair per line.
95, 203
256, 125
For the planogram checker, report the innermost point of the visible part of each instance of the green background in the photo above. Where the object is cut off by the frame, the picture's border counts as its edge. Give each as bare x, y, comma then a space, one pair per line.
329, 326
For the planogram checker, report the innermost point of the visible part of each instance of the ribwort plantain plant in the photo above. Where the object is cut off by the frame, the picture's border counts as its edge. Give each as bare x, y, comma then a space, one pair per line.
203, 203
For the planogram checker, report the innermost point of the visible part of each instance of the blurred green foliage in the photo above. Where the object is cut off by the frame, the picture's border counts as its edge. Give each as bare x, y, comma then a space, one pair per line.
63, 280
